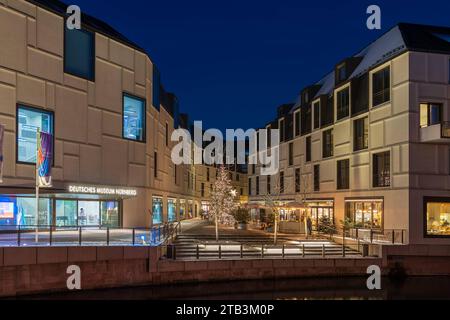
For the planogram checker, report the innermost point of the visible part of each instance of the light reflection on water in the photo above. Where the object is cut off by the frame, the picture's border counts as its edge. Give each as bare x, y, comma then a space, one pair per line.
283, 289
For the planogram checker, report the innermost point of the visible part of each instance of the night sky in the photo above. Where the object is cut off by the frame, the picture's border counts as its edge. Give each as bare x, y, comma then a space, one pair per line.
231, 63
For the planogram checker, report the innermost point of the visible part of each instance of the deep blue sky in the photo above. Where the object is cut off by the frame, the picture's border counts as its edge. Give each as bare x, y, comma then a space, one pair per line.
231, 63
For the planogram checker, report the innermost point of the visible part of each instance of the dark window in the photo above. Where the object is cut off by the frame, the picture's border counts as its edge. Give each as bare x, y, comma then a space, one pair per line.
343, 103
327, 144
316, 115
343, 174
249, 186
381, 87
291, 154
242, 192
203, 189
327, 111
297, 180
281, 182
297, 123
308, 149
281, 127
268, 186
306, 120
207, 174
430, 114
237, 177
269, 137
257, 185
133, 118
361, 134
360, 94
317, 177
382, 169
155, 163
79, 53
29, 120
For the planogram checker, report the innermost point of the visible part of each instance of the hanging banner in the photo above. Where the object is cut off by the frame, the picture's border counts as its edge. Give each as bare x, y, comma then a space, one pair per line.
2, 135
44, 161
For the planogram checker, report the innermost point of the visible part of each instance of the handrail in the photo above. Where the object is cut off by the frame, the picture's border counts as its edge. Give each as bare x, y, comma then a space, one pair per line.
375, 235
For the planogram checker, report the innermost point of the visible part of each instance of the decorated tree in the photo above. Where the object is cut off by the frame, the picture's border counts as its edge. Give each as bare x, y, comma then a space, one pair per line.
222, 199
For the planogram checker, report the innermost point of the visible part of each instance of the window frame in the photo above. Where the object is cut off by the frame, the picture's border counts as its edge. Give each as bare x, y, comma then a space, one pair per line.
35, 109
316, 106
290, 154
356, 146
144, 133
339, 175
308, 149
428, 105
373, 73
297, 123
316, 178
338, 92
94, 53
326, 155
374, 176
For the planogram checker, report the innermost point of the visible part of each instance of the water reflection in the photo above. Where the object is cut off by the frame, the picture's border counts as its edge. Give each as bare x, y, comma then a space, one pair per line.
285, 289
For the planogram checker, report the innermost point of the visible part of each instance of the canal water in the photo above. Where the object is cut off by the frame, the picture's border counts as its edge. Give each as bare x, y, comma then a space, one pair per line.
285, 289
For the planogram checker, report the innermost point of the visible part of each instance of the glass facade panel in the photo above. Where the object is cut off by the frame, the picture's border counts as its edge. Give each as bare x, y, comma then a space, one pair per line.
89, 213
133, 118
171, 210
438, 218
66, 213
157, 210
110, 214
28, 121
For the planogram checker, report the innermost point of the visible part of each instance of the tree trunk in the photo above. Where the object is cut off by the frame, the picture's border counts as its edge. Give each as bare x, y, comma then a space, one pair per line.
217, 227
275, 230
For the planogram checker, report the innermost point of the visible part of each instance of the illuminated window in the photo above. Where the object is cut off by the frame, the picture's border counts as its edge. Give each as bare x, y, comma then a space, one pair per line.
437, 217
29, 120
133, 118
171, 210
366, 214
157, 211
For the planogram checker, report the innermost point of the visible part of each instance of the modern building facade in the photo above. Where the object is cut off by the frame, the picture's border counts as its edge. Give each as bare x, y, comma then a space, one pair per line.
369, 144
101, 97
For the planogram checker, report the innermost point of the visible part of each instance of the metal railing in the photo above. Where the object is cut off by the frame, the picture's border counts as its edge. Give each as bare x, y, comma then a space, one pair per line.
364, 235
203, 251
18, 236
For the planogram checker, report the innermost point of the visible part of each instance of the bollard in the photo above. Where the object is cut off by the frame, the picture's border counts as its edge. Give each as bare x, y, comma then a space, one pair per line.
242, 251
262, 250
323, 251
51, 236
134, 236
220, 251
198, 252
282, 251
107, 236
79, 236
303, 250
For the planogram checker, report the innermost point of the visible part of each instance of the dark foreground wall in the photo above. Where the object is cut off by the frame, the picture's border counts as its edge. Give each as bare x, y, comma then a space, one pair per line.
38, 270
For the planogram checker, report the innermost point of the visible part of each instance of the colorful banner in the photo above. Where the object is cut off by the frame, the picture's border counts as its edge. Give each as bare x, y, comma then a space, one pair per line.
45, 159
2, 135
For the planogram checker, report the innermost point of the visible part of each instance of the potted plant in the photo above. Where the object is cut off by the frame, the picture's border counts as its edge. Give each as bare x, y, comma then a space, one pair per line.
242, 217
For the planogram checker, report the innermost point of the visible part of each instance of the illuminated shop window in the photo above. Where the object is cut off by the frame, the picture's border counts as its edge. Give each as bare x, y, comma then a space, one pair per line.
438, 218
365, 214
171, 210
133, 118
157, 210
29, 120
